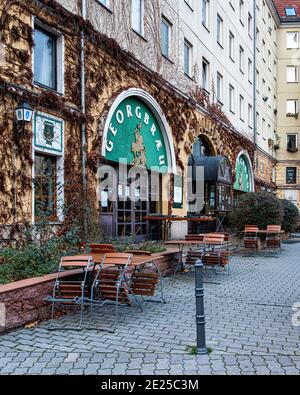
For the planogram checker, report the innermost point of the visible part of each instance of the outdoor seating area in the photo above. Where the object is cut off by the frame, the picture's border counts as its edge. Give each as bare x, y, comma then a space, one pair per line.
108, 277
253, 239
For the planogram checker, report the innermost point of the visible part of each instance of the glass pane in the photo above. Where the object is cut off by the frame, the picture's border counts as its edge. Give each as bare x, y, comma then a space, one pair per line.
44, 59
45, 186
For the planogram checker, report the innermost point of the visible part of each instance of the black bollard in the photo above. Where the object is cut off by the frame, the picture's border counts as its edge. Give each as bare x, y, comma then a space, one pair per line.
200, 314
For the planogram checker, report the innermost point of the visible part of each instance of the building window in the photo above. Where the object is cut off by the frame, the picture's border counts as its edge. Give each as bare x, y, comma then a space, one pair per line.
242, 108
165, 37
292, 74
250, 116
231, 46
290, 11
205, 74
205, 13
291, 175
137, 16
231, 98
242, 59
220, 30
250, 25
292, 107
45, 58
292, 40
292, 143
219, 87
45, 187
242, 11
187, 57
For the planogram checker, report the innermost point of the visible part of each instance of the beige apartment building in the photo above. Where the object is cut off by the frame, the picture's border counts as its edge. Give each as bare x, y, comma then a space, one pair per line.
288, 124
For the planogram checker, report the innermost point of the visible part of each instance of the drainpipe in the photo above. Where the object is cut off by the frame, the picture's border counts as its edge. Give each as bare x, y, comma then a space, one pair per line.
254, 85
83, 125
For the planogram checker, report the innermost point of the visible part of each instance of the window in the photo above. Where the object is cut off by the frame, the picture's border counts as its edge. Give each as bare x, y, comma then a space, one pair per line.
231, 98
205, 74
165, 37
219, 87
242, 11
205, 13
250, 71
187, 57
292, 142
250, 25
292, 74
250, 116
231, 46
292, 40
291, 107
290, 11
137, 16
45, 187
242, 60
242, 108
105, 3
219, 30
45, 58
291, 175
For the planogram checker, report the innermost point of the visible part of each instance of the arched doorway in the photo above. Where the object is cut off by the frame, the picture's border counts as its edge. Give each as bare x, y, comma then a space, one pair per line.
136, 137
218, 195
244, 177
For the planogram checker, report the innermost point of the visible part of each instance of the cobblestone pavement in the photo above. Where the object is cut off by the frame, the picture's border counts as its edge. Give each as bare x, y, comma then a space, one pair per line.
249, 329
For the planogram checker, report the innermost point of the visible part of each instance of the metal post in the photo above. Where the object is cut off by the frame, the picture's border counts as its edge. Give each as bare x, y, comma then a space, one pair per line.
200, 314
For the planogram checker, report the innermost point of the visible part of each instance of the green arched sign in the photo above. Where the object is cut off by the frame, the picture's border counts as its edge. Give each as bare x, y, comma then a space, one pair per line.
135, 137
243, 178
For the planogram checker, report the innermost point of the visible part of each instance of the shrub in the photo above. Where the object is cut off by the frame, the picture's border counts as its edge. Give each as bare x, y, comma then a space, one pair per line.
261, 209
291, 216
38, 254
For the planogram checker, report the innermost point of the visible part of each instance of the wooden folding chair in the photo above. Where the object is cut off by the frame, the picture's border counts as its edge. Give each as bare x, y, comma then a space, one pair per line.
273, 239
101, 248
144, 283
75, 290
251, 239
216, 254
112, 284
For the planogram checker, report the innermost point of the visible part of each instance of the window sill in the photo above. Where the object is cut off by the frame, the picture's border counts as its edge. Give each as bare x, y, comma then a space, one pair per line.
189, 77
167, 58
140, 35
206, 27
38, 85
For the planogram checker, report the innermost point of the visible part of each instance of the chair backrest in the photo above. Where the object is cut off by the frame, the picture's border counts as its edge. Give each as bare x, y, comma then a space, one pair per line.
251, 229
101, 248
194, 237
214, 238
117, 258
78, 261
274, 229
138, 252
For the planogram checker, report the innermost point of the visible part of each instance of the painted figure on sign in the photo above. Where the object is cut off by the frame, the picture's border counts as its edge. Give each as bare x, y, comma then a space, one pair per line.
138, 148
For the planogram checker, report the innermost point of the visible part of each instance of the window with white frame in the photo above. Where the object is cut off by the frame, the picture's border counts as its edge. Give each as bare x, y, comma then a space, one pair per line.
205, 74
231, 46
220, 27
292, 142
137, 16
242, 108
231, 98
165, 37
292, 40
187, 57
205, 12
292, 74
242, 59
219, 87
48, 57
292, 107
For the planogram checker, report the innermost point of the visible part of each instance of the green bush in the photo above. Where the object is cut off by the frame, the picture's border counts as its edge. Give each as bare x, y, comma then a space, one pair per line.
291, 217
39, 253
261, 209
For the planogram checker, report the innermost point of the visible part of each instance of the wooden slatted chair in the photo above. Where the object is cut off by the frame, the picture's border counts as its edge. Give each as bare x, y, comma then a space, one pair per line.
251, 239
75, 290
216, 254
144, 283
273, 239
101, 248
194, 237
111, 283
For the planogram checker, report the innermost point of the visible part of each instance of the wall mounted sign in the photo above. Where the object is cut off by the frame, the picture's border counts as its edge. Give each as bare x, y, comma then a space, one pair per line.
178, 191
135, 136
48, 133
243, 179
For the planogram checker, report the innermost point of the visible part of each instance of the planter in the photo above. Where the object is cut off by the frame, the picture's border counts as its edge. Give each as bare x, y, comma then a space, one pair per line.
23, 302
